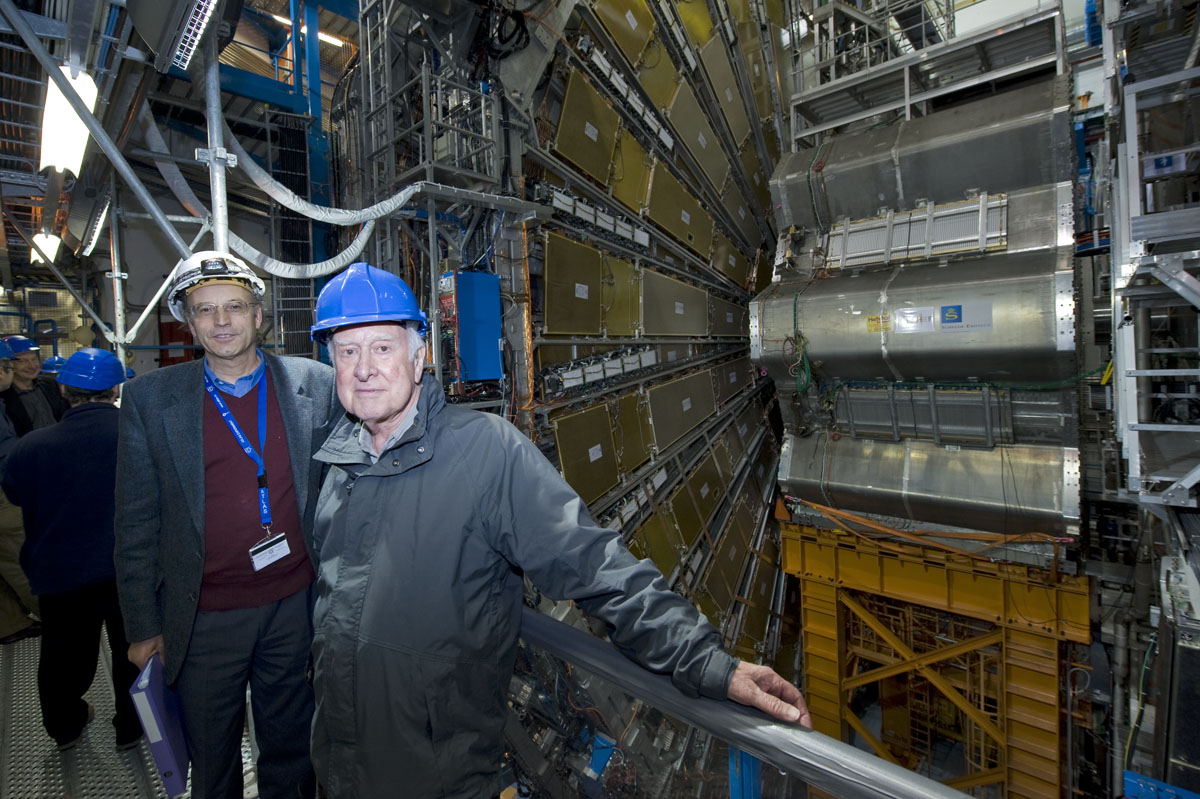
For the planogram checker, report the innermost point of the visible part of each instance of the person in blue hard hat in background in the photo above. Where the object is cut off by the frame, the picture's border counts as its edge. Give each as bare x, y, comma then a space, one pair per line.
53, 364
63, 477
31, 402
18, 607
429, 518
215, 491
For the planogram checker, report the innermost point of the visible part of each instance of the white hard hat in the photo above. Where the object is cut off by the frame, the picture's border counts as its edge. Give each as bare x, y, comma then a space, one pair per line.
207, 267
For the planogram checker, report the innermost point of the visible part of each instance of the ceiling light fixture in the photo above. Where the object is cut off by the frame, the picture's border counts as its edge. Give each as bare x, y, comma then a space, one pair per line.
48, 243
325, 37
64, 136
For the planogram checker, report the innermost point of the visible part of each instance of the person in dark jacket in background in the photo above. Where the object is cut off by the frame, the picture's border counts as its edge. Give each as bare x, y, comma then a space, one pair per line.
32, 401
64, 479
18, 607
428, 520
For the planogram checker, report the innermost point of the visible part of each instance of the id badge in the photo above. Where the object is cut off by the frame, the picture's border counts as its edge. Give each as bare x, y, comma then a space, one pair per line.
269, 550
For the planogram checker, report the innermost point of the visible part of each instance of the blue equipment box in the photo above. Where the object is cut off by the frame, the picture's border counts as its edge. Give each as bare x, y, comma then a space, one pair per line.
470, 305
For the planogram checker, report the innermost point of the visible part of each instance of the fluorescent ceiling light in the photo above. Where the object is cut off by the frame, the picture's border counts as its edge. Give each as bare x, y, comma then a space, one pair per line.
325, 37
64, 136
49, 244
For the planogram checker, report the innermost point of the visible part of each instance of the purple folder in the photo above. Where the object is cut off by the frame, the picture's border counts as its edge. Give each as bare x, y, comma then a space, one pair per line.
158, 709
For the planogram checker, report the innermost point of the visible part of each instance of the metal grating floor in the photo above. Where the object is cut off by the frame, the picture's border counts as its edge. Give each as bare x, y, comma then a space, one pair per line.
31, 767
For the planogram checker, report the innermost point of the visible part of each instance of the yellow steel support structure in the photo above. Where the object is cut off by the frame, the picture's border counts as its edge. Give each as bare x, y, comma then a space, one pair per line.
1013, 718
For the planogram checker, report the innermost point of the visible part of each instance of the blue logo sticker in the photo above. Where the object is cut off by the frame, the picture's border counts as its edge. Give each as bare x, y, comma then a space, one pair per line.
951, 314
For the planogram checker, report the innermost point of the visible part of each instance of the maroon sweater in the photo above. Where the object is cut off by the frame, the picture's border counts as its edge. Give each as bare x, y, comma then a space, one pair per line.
231, 520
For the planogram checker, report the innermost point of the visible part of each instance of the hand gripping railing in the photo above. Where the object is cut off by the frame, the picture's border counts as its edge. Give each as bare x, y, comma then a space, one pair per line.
815, 758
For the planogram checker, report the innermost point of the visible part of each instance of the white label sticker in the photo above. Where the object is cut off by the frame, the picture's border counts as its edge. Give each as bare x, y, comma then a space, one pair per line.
703, 141
633, 22
965, 317
679, 308
757, 182
590, 131
742, 212
733, 377
594, 453
756, 70
729, 317
704, 489
732, 261
687, 404
760, 470
732, 553
581, 291
742, 430
912, 320
728, 95
670, 356
685, 216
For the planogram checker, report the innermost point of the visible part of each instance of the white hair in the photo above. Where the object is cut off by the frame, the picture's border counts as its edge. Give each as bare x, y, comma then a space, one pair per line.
415, 339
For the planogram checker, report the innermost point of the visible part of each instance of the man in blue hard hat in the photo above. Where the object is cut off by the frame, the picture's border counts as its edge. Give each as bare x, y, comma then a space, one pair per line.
63, 478
429, 518
215, 490
31, 402
18, 607
53, 364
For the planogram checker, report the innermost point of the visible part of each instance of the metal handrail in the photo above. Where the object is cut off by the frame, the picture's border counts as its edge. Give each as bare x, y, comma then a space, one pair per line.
815, 758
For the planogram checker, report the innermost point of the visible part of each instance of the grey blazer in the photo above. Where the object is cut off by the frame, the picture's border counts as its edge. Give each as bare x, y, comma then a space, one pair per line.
160, 488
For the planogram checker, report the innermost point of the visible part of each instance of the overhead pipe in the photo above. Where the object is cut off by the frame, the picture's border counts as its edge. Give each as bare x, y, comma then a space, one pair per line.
216, 154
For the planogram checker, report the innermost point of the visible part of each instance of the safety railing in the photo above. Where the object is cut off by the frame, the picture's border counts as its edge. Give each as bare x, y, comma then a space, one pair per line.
811, 757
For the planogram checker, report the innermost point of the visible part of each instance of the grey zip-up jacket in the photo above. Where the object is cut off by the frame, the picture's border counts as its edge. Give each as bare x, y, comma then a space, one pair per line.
419, 601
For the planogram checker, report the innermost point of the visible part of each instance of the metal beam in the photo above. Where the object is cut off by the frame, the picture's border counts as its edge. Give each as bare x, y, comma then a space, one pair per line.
935, 679
856, 724
819, 760
926, 659
988, 777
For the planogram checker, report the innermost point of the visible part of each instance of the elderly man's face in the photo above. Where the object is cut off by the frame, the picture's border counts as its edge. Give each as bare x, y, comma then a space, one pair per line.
377, 375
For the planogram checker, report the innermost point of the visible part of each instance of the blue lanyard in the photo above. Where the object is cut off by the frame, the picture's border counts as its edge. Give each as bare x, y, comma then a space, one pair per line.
264, 499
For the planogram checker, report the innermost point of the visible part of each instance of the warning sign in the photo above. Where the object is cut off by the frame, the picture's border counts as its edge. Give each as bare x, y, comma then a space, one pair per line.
878, 323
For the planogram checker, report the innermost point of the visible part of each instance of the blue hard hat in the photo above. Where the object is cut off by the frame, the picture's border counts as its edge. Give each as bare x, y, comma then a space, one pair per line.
364, 294
129, 373
5, 350
93, 369
20, 344
52, 364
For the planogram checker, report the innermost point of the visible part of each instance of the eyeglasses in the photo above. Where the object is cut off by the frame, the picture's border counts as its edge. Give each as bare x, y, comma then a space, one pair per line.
208, 310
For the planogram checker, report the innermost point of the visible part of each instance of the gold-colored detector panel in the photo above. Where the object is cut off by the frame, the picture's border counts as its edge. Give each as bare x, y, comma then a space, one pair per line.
696, 22
727, 318
671, 307
707, 486
724, 86
633, 435
756, 176
743, 214
630, 173
658, 75
728, 259
586, 452
732, 377
697, 135
620, 297
678, 212
629, 23
661, 542
573, 275
679, 405
587, 129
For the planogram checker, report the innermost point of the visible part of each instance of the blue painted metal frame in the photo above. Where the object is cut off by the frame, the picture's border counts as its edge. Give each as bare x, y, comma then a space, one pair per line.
1138, 786
745, 775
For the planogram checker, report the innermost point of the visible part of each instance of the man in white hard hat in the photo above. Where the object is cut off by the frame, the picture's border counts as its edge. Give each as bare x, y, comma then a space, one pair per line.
215, 487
